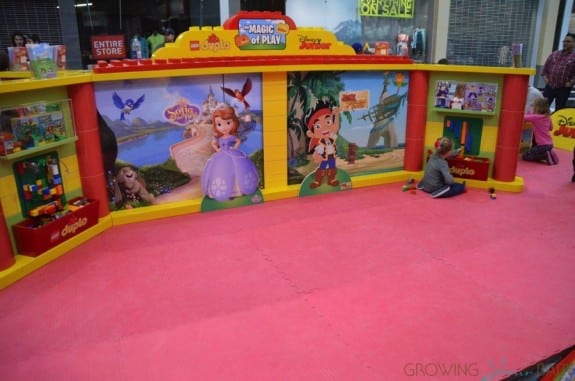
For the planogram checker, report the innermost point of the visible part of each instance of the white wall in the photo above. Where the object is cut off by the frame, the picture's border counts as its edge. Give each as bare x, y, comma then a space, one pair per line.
439, 35
327, 14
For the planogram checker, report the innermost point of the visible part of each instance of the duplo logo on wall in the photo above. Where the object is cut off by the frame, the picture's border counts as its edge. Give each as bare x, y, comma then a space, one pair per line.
73, 226
214, 43
466, 171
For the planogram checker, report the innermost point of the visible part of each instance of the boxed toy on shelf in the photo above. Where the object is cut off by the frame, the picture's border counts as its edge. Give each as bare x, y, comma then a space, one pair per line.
59, 56
18, 57
42, 61
33, 125
7, 142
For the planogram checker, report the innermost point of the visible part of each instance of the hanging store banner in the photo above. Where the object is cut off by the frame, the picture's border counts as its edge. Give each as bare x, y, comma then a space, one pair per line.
387, 8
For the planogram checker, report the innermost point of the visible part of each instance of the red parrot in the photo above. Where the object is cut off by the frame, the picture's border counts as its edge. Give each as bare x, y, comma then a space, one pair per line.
240, 95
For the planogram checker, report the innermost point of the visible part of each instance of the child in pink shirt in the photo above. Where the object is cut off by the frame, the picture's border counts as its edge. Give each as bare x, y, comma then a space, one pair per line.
542, 149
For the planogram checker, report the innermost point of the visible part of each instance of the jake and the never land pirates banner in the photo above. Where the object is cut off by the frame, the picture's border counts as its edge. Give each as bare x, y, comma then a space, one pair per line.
387, 8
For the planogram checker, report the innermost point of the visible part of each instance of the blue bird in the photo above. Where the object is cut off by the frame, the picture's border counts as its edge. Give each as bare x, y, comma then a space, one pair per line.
128, 106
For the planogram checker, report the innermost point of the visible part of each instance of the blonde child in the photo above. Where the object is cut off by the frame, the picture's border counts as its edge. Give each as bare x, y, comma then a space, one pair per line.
532, 94
459, 97
542, 149
437, 179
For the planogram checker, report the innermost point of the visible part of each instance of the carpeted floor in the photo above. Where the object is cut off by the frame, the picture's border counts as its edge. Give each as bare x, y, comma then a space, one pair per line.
369, 284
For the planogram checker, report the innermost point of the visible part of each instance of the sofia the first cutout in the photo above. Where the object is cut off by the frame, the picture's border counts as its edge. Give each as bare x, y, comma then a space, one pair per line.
229, 175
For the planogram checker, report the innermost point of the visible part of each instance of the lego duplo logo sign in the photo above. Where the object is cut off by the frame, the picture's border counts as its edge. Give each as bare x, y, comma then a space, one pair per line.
460, 172
214, 43
387, 8
467, 168
72, 227
108, 46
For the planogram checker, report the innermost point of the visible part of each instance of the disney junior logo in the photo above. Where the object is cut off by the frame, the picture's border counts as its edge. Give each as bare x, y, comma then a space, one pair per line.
440, 369
564, 119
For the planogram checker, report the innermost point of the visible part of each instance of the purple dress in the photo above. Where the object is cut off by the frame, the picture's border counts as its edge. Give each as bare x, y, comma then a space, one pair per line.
229, 172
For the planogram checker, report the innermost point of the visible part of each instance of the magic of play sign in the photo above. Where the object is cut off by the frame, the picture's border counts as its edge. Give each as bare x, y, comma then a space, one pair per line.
387, 8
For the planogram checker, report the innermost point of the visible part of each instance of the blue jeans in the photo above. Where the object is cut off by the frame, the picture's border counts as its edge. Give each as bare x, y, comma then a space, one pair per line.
455, 189
537, 153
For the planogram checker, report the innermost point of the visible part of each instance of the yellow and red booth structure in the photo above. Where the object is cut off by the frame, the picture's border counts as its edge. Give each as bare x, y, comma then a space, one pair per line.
154, 117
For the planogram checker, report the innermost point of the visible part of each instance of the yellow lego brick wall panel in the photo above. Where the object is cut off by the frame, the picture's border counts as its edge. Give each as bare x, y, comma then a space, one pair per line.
433, 131
11, 203
277, 154
273, 124
275, 173
489, 139
275, 85
220, 42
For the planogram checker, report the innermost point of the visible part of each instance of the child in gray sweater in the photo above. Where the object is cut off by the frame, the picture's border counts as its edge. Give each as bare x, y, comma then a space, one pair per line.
437, 179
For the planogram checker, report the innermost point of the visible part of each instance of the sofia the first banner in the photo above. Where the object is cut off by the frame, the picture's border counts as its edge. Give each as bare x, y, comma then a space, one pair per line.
176, 139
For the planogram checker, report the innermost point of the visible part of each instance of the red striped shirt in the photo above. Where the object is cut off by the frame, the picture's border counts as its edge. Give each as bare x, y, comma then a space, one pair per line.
559, 68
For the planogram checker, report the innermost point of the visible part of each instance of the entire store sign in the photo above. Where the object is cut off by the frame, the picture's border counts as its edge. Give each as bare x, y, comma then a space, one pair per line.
387, 8
108, 46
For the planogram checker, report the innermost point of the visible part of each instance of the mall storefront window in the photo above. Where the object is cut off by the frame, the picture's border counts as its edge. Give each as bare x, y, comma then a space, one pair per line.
140, 20
404, 28
137, 23
481, 32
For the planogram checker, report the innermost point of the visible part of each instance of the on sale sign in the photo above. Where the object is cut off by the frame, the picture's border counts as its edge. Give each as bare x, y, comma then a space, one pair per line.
108, 46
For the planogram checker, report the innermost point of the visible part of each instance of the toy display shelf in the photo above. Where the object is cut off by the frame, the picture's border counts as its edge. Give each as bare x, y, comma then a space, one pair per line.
39, 149
64, 78
40, 185
463, 112
153, 64
15, 75
471, 69
33, 128
33, 241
